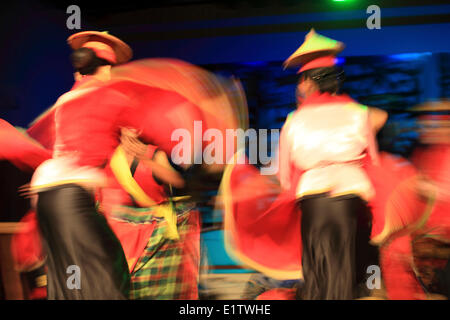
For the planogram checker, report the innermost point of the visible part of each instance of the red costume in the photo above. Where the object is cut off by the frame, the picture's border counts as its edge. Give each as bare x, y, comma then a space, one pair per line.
156, 112
16, 147
434, 162
28, 254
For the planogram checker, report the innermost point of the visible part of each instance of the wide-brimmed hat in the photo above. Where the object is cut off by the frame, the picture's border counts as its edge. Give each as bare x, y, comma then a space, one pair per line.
432, 111
315, 52
105, 46
432, 106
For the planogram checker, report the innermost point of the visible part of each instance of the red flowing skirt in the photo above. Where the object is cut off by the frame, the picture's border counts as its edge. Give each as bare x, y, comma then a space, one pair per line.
262, 223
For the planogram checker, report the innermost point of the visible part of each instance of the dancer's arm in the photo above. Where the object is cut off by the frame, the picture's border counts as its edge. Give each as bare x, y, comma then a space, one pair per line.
284, 165
160, 165
377, 118
162, 169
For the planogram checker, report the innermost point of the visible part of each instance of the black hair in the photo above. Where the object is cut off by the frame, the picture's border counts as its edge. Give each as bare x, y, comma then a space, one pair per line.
86, 62
329, 79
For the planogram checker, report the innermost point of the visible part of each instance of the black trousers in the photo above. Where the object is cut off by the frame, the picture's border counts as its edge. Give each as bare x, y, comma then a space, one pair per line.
336, 250
85, 259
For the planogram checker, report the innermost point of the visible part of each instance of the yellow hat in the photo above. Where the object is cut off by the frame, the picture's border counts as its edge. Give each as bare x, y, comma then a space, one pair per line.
315, 46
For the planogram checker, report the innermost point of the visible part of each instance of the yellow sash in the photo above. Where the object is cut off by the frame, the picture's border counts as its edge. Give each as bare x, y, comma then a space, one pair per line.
121, 170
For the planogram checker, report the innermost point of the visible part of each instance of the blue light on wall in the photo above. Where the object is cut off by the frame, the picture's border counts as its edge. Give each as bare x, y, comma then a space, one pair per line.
409, 56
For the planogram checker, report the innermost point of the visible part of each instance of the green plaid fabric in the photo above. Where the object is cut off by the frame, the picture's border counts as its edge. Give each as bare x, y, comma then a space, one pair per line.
169, 269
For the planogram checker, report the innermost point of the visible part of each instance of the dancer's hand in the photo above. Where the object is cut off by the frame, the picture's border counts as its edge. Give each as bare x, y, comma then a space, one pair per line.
131, 144
25, 191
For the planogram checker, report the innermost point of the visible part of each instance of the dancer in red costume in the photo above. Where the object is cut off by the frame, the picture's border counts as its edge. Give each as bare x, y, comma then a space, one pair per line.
409, 262
87, 122
166, 264
162, 266
86, 127
433, 160
431, 244
348, 194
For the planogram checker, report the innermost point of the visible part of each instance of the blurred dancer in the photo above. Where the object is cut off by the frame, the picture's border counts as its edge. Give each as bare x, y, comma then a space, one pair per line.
85, 126
163, 264
326, 138
93, 57
413, 263
338, 192
432, 159
431, 244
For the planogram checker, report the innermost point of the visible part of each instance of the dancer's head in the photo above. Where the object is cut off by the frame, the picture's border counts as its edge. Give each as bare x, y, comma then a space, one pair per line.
86, 62
324, 79
95, 53
434, 122
317, 56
